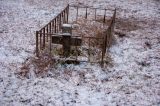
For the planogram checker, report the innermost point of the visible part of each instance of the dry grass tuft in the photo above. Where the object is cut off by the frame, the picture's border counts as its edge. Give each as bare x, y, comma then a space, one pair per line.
38, 66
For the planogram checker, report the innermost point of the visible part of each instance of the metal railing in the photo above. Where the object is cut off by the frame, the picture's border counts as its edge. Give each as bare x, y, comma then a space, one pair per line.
54, 26
45, 34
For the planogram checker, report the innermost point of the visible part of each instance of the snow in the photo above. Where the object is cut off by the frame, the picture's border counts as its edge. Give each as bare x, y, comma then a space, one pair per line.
132, 77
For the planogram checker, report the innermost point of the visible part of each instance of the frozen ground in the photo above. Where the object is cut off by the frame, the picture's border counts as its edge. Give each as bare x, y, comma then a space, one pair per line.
132, 78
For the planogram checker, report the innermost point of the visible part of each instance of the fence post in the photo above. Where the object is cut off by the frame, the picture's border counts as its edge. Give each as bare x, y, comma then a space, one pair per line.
41, 39
50, 27
37, 47
95, 13
55, 29
60, 22
86, 13
77, 14
53, 26
63, 17
44, 38
103, 50
67, 13
50, 44
104, 20
47, 31
89, 51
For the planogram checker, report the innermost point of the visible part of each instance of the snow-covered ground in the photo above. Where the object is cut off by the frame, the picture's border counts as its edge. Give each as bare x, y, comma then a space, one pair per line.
132, 78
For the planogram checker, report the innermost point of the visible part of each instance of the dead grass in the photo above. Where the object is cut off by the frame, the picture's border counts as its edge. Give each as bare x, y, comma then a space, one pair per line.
41, 65
127, 25
38, 65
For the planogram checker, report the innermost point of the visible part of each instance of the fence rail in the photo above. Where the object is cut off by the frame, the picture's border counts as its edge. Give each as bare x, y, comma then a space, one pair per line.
94, 10
54, 26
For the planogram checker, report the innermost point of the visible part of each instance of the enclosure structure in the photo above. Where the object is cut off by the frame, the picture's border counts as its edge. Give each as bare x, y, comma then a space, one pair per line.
54, 39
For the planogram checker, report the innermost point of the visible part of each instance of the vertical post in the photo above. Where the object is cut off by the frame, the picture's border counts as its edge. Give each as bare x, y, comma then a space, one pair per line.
64, 16
103, 50
57, 24
37, 47
60, 16
104, 20
67, 13
103, 54
95, 13
47, 32
53, 26
86, 13
55, 29
40, 39
76, 50
50, 27
89, 50
50, 44
77, 14
44, 38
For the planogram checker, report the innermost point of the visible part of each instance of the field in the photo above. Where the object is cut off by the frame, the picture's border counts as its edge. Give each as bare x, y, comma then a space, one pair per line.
132, 76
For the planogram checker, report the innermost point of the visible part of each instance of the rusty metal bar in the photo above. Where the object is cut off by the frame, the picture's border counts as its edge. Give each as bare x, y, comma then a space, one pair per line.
89, 50
77, 15
104, 20
50, 44
37, 47
67, 13
47, 31
93, 37
64, 16
55, 17
41, 39
76, 50
50, 27
55, 26
90, 7
104, 49
86, 13
95, 14
44, 38
60, 23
